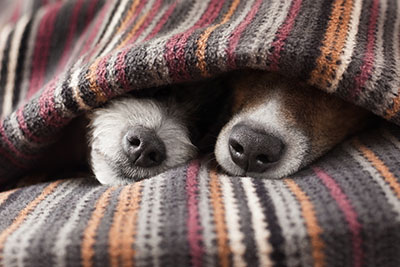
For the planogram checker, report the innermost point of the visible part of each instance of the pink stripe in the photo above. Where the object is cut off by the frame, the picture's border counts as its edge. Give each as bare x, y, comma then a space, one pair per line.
349, 212
162, 21
47, 110
90, 12
101, 74
24, 127
12, 147
17, 11
119, 68
72, 28
193, 224
235, 37
138, 11
175, 47
368, 59
42, 47
283, 33
5, 154
94, 31
147, 21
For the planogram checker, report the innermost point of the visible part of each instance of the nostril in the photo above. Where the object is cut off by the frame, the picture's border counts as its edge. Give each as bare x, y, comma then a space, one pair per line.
153, 156
263, 159
237, 148
133, 141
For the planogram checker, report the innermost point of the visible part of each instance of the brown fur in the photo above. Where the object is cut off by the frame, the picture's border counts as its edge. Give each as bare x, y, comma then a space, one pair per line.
324, 118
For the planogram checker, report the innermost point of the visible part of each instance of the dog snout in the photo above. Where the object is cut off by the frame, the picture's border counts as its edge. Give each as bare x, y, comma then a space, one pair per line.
252, 149
143, 147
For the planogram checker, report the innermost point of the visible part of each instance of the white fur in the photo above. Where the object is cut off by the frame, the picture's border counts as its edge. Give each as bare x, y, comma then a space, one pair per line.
268, 117
109, 125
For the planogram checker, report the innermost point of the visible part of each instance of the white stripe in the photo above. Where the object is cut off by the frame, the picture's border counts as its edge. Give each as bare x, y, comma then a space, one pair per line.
4, 35
264, 35
223, 37
206, 219
28, 60
152, 24
259, 223
158, 44
111, 28
396, 56
377, 177
288, 212
378, 48
12, 64
150, 212
112, 45
74, 84
236, 237
15, 249
348, 49
62, 238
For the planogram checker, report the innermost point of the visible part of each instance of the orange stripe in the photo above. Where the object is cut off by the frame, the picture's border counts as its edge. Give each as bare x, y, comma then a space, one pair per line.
313, 229
333, 44
24, 213
134, 29
4, 195
392, 111
89, 235
219, 217
91, 76
123, 230
128, 16
379, 165
202, 42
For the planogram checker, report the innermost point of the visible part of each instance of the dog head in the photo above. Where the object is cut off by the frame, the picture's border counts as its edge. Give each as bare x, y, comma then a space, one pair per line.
135, 137
279, 125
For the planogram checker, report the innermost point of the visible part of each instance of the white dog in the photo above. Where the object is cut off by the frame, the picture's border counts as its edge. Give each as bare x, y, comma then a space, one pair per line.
276, 127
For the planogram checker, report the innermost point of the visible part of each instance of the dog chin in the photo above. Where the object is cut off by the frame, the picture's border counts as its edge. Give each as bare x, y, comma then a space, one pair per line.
294, 156
122, 173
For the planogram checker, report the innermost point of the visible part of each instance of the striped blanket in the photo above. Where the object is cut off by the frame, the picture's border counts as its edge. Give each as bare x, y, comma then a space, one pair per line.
62, 58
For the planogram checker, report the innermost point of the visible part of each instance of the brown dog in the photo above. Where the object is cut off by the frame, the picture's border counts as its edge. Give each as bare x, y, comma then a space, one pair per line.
280, 125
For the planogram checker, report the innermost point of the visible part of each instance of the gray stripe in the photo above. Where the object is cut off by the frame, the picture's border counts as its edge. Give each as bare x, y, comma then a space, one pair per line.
101, 246
147, 241
62, 236
16, 203
369, 204
246, 225
294, 232
174, 244
206, 218
16, 247
335, 232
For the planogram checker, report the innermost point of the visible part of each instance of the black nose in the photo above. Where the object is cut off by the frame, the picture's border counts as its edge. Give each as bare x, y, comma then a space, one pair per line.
143, 147
254, 150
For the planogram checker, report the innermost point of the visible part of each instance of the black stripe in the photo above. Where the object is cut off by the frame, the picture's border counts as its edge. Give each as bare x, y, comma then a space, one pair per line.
4, 68
23, 48
308, 32
275, 239
246, 226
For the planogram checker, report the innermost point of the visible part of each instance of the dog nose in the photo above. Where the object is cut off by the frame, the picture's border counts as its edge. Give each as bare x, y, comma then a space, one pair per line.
254, 150
143, 147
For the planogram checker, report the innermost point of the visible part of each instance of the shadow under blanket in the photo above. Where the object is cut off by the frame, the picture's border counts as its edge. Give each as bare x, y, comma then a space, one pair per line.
60, 59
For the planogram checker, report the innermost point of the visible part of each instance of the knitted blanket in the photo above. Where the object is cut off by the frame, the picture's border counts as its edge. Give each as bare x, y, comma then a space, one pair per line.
60, 59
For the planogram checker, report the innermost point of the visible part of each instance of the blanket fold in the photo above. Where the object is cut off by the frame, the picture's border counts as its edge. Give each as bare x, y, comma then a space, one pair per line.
60, 59
64, 58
